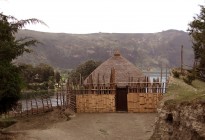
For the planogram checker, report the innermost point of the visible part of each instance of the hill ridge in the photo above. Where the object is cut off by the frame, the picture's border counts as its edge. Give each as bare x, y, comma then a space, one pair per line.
66, 51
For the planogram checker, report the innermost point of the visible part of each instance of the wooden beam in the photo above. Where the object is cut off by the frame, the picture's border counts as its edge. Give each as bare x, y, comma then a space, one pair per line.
182, 58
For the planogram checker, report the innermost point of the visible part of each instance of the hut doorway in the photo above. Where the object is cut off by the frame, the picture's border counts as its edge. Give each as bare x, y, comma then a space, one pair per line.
121, 98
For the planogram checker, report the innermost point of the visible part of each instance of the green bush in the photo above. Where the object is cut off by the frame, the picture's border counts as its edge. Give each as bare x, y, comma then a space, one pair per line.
189, 78
10, 87
176, 73
38, 86
6, 123
36, 94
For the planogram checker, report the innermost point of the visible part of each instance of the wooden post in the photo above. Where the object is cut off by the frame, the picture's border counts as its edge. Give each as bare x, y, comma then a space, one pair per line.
165, 89
161, 75
80, 79
98, 83
57, 97
158, 85
21, 109
166, 73
26, 105
63, 96
51, 103
112, 79
42, 103
47, 102
104, 84
195, 65
67, 92
166, 80
36, 104
147, 84
182, 59
31, 107
104, 80
91, 83
60, 96
132, 81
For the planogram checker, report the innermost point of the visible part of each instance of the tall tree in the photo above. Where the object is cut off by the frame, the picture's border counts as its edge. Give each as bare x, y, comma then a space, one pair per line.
57, 77
197, 32
83, 71
11, 48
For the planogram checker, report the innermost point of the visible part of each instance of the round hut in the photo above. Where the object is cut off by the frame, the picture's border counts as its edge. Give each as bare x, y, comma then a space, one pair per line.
116, 69
115, 75
115, 86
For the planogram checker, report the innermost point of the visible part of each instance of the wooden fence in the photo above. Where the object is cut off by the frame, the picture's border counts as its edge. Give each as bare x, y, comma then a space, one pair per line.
36, 104
101, 97
91, 98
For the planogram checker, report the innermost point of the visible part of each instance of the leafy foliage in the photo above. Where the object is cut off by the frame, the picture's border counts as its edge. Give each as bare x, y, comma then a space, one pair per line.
45, 72
175, 73
37, 77
188, 78
10, 86
10, 48
187, 75
197, 33
83, 71
57, 77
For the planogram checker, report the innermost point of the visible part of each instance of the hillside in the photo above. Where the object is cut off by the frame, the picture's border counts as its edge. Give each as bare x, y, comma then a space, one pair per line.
181, 112
66, 51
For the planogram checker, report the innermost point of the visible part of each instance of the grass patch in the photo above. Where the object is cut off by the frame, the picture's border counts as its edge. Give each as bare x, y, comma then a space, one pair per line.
39, 93
200, 85
6, 122
178, 91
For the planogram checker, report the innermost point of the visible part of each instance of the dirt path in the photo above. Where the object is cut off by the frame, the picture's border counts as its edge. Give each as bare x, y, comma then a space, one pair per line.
95, 126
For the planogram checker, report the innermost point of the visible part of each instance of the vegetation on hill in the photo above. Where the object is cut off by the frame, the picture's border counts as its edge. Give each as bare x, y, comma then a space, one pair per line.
67, 51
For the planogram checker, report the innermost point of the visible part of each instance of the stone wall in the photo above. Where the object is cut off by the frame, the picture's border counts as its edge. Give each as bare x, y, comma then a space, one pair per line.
143, 102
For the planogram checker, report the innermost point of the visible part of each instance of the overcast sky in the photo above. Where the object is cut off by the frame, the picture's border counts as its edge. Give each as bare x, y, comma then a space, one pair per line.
113, 16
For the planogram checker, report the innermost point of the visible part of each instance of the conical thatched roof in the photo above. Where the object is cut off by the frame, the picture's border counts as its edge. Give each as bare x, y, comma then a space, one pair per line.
123, 69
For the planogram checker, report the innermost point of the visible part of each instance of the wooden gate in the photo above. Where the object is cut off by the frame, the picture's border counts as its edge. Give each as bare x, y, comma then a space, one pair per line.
121, 99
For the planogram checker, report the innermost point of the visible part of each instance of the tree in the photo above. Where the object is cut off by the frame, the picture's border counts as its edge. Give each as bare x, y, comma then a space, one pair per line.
83, 70
57, 77
27, 73
42, 75
45, 72
197, 32
10, 86
11, 48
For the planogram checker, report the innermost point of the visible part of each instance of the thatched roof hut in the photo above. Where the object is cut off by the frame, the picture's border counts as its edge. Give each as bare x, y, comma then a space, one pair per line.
123, 70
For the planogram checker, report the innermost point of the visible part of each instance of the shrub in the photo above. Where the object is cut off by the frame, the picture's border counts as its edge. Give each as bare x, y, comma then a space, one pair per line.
189, 78
176, 73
